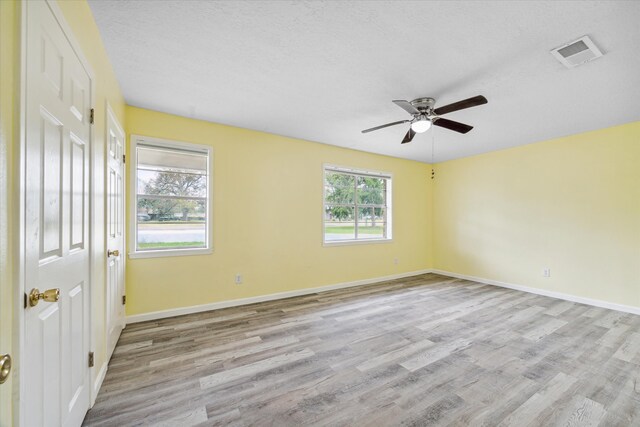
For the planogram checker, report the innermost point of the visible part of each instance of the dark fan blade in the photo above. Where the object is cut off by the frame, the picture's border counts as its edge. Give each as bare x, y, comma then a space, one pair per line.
461, 105
386, 126
406, 106
409, 136
450, 124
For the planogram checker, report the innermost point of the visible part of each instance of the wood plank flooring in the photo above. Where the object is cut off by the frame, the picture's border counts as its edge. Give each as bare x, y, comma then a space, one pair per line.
427, 350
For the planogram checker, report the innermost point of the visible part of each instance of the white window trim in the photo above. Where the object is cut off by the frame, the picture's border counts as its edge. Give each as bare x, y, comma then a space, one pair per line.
133, 211
389, 208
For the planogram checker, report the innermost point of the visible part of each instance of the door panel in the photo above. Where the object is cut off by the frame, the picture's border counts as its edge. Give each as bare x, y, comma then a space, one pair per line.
48, 324
52, 63
113, 205
76, 354
77, 100
78, 179
51, 207
55, 372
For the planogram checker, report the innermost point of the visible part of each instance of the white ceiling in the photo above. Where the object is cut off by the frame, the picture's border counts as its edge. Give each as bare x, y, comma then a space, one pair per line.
325, 70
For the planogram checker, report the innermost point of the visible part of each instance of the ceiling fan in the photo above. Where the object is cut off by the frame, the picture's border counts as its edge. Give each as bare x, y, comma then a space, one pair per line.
424, 115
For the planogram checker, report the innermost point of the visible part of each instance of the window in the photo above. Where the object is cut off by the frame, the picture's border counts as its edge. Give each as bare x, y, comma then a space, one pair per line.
357, 205
172, 205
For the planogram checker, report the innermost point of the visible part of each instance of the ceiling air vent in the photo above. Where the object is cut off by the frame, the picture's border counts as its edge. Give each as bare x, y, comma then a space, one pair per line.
577, 52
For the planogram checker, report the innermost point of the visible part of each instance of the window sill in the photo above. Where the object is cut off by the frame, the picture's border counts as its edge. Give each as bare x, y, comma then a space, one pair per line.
356, 242
170, 253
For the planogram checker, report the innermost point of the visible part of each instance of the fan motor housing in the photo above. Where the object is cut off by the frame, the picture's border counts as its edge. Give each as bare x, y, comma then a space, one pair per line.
424, 105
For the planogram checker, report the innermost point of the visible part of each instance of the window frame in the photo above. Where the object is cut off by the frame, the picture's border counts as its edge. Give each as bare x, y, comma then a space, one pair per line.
133, 208
388, 208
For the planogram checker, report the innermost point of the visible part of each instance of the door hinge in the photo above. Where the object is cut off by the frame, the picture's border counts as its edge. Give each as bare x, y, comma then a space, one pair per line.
124, 158
92, 116
124, 299
91, 361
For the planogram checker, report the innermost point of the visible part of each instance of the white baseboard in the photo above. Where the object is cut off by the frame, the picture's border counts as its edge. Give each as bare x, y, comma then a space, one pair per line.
99, 379
559, 295
154, 315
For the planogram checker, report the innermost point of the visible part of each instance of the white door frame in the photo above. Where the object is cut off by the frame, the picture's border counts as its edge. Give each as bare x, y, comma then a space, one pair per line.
19, 291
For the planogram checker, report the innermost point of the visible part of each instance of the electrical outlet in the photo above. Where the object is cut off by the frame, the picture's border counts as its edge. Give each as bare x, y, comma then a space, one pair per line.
546, 272
238, 279
395, 261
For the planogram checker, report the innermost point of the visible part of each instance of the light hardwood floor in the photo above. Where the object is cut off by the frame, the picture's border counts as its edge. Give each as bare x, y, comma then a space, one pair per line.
427, 350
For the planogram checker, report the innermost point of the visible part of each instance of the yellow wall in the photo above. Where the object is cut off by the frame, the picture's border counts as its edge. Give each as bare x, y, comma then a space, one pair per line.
570, 204
267, 219
8, 50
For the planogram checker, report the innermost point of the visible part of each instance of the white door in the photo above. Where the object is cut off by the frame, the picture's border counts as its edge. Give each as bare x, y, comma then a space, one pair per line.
55, 372
115, 231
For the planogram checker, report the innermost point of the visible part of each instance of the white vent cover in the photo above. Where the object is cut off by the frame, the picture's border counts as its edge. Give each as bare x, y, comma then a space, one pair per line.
577, 52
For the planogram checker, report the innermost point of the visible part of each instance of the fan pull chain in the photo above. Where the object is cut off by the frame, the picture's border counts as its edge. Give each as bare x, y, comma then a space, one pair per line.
433, 172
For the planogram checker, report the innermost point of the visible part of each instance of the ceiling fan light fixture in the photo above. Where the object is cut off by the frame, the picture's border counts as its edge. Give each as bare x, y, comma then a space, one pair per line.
421, 125
423, 115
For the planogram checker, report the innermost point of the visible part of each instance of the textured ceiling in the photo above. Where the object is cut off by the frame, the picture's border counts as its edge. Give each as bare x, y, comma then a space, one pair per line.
325, 70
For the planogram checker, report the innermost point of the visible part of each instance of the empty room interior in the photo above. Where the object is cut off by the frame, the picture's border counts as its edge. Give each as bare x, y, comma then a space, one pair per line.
323, 213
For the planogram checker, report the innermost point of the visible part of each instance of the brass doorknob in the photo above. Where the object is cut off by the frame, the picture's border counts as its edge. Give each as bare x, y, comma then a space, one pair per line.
113, 253
50, 295
5, 367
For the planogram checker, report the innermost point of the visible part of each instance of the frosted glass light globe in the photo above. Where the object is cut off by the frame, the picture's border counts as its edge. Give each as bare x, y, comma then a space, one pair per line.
421, 125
